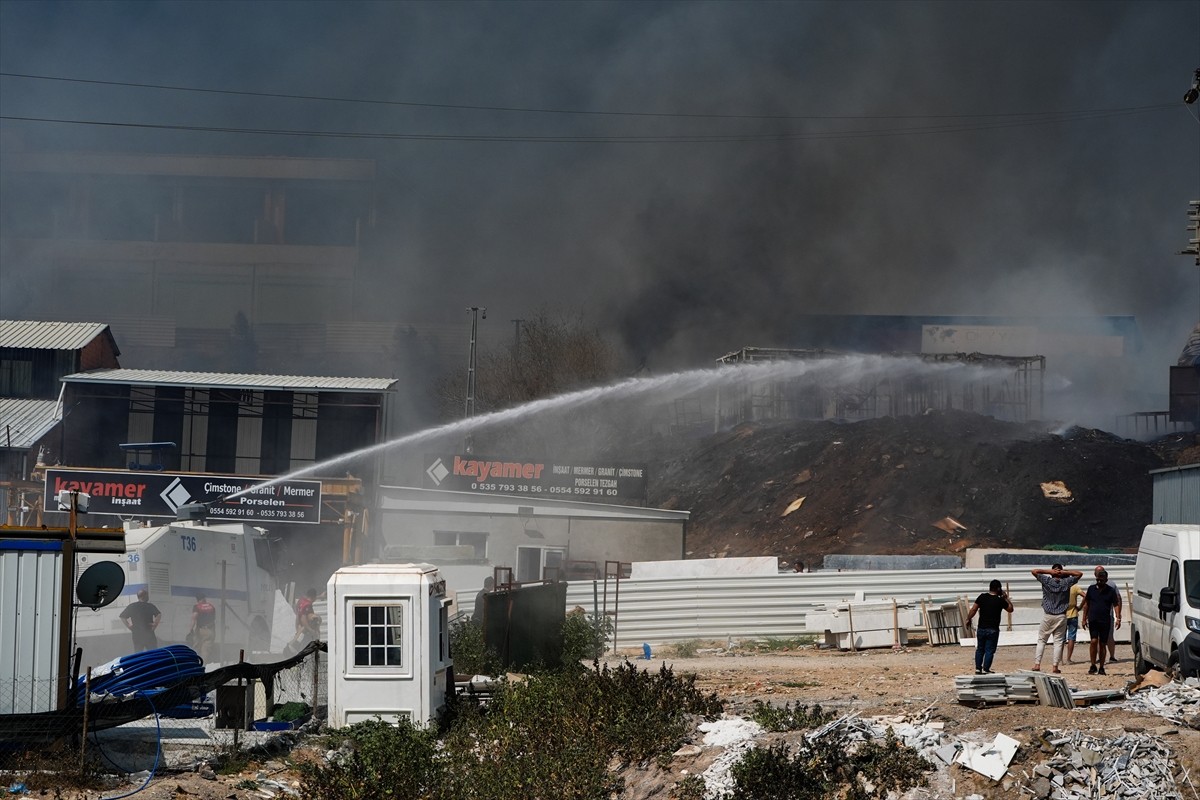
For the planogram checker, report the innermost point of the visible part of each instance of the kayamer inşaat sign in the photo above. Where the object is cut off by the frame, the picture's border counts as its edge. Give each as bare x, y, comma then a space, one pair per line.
592, 481
160, 494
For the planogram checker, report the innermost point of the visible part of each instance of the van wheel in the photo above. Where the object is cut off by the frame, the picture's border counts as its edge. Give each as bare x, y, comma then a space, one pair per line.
1173, 665
1140, 665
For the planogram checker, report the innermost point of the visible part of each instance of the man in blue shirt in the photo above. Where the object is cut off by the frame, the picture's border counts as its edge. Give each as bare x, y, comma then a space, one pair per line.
1056, 596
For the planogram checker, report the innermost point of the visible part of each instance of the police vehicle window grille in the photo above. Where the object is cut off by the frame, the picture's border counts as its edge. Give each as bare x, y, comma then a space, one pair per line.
378, 635
158, 579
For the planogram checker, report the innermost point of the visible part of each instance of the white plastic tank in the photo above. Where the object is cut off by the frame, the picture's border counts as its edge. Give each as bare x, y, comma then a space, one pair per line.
389, 643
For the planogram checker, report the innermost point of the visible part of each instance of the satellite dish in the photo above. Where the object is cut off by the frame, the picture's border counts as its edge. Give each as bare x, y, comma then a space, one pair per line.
100, 584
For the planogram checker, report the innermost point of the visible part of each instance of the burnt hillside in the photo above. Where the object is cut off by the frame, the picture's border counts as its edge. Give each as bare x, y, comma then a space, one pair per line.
879, 486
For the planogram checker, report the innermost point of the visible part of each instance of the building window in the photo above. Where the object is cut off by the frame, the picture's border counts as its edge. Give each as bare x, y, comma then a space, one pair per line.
532, 562
379, 635
477, 541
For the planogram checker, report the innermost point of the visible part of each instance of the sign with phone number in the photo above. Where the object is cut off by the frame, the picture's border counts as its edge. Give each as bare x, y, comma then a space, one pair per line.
160, 494
592, 481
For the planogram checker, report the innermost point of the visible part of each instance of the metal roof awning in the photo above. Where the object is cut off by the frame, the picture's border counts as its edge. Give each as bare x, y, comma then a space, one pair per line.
229, 380
24, 421
42, 335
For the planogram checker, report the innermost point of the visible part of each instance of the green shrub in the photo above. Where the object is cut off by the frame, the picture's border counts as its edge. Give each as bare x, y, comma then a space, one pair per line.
555, 734
832, 766
585, 637
774, 718
289, 712
685, 649
383, 762
470, 655
552, 735
775, 644
690, 788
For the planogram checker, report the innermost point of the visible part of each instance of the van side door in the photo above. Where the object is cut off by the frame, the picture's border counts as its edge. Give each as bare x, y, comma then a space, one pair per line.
1168, 607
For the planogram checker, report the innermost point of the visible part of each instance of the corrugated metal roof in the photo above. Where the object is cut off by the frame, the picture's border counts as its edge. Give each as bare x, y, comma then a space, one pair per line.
23, 421
230, 380
39, 335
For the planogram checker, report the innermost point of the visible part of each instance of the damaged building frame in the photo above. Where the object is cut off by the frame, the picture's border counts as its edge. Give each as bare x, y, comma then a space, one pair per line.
1010, 388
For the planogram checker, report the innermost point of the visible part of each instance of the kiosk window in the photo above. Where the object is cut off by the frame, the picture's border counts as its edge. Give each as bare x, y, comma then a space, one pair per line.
378, 635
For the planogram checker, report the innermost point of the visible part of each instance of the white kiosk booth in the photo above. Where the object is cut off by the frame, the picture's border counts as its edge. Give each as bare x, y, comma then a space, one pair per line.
389, 643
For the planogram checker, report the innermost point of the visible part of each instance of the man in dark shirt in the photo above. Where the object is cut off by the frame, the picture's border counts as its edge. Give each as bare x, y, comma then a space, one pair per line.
1101, 610
141, 618
988, 605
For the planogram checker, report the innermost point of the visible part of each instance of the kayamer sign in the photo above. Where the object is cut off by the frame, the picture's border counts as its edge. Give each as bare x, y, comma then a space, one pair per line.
160, 494
593, 481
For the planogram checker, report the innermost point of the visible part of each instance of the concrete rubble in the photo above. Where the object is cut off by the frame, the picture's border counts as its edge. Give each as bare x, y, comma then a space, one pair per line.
1076, 765
1131, 765
1177, 702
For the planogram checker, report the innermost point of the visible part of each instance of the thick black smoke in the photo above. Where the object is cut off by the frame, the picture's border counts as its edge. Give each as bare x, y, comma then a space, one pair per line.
684, 251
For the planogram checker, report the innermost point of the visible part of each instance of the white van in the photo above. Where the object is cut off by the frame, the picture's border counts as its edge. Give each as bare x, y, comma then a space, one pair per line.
1165, 619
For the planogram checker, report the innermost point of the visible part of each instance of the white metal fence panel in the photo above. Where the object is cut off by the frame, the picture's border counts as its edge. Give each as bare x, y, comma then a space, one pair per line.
30, 581
661, 610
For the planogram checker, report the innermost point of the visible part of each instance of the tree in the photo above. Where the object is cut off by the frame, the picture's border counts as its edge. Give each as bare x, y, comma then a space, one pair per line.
243, 349
550, 355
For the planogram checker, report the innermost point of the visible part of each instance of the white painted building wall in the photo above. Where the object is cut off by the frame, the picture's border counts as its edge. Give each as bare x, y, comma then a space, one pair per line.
468, 535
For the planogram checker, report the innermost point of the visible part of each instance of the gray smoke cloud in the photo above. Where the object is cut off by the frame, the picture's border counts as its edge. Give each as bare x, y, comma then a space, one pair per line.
685, 251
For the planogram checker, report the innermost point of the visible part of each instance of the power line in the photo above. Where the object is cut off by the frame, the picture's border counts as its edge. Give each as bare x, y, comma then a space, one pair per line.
602, 139
537, 110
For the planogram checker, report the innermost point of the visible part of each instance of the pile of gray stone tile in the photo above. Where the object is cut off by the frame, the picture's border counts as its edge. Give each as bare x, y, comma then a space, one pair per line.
981, 689
1132, 765
1024, 686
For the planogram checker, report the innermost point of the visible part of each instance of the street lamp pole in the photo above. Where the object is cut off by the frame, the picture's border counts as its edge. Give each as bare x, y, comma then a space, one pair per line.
477, 313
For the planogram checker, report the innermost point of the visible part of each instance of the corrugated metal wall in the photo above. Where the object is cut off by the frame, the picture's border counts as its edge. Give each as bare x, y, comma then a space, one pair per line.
676, 609
30, 583
1177, 496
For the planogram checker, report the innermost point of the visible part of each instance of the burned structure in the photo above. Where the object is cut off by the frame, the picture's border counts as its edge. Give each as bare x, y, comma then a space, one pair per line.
1008, 387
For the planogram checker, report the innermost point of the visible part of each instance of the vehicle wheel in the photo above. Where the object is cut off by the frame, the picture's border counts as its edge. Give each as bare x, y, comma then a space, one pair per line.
1173, 665
1140, 665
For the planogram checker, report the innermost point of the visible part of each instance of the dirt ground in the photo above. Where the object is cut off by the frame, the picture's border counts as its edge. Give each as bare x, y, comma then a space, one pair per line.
874, 682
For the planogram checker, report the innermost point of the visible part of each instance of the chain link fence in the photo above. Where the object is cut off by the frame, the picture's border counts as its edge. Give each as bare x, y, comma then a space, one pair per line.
152, 717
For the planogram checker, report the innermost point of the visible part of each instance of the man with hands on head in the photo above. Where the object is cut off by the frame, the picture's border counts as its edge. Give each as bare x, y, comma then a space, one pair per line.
1056, 593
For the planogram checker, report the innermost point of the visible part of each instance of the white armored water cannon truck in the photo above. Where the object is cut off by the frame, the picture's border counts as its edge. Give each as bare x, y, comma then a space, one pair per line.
389, 644
229, 563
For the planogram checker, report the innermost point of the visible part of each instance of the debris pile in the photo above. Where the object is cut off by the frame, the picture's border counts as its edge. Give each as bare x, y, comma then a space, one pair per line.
888, 486
736, 735
1178, 702
1083, 766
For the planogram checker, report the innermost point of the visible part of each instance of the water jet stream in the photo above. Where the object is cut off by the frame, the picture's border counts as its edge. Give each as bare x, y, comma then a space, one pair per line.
843, 369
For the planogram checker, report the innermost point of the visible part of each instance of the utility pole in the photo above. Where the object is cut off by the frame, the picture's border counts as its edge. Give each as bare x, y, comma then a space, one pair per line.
477, 312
